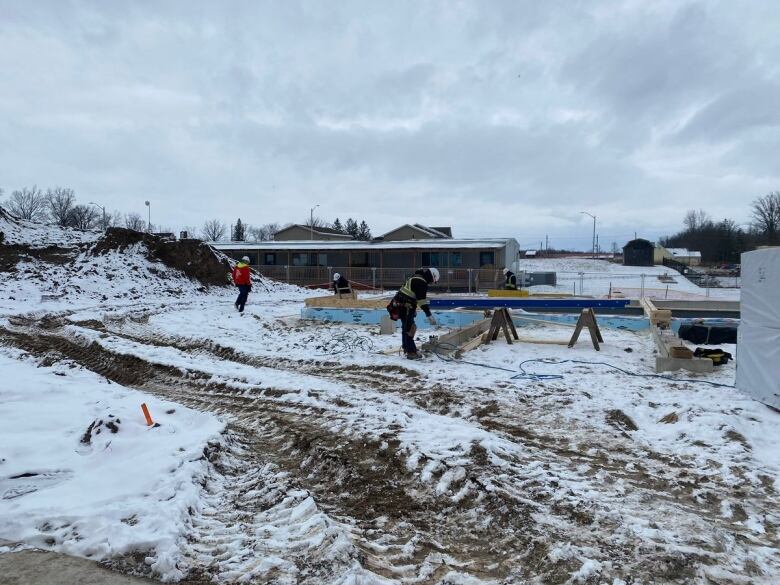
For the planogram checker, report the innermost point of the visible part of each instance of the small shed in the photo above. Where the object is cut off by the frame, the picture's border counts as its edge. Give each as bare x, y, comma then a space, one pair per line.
638, 252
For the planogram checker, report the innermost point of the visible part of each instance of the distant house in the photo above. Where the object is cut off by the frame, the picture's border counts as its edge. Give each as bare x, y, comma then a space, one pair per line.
638, 252
297, 232
681, 255
531, 253
417, 232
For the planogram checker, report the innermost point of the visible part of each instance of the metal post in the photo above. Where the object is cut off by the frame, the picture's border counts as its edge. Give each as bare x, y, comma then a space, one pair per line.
449, 278
287, 269
582, 282
373, 277
470, 270
642, 287
330, 274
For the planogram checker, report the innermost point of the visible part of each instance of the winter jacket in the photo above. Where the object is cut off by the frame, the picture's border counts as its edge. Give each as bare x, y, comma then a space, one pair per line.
415, 290
241, 274
341, 285
511, 280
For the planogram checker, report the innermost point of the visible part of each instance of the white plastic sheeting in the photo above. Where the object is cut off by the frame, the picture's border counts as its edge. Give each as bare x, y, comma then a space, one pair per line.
758, 364
760, 295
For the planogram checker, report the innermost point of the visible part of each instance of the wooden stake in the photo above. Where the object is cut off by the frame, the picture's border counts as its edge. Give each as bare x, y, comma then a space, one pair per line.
149, 421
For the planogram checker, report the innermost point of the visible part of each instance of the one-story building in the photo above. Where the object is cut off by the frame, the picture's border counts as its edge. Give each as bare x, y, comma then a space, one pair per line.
681, 255
382, 263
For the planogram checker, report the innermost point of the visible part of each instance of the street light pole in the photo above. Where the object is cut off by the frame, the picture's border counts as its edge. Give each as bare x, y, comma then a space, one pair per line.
311, 222
149, 226
105, 226
593, 241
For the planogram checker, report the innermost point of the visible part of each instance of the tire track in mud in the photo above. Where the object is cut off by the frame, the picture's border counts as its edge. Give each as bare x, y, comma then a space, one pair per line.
669, 478
656, 477
399, 525
399, 510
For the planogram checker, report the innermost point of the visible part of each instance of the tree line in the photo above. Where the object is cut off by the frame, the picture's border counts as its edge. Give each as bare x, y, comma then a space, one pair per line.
58, 206
215, 230
723, 241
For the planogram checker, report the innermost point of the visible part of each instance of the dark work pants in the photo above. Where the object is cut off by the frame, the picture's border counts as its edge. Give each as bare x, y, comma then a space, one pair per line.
406, 316
243, 294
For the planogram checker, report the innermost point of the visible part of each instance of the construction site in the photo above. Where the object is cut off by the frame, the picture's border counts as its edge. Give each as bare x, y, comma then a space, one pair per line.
544, 437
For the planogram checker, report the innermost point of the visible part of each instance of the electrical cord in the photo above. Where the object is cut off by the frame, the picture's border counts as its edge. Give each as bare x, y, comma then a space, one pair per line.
347, 341
537, 377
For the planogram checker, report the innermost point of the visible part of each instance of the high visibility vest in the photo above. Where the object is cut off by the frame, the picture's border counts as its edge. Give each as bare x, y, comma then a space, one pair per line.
407, 291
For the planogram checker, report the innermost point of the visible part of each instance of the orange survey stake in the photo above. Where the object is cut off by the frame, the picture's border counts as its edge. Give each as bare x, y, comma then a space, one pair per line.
149, 421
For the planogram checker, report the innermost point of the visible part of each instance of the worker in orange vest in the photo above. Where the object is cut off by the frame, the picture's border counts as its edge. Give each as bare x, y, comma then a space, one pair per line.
243, 280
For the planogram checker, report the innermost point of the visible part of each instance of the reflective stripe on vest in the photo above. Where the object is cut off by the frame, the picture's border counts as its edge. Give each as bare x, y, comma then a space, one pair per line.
406, 290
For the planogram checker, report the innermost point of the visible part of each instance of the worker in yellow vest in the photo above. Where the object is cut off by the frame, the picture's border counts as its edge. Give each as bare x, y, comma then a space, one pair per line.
511, 280
413, 295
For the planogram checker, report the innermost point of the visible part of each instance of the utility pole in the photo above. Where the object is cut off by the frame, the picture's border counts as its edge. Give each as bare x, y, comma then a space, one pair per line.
546, 243
594, 232
149, 227
105, 226
598, 248
311, 222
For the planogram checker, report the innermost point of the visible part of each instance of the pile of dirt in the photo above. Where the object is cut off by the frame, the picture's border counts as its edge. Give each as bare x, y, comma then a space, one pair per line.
194, 258
11, 255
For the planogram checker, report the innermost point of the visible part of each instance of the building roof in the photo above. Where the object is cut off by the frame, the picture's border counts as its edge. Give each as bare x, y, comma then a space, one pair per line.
683, 253
639, 243
365, 245
317, 230
435, 233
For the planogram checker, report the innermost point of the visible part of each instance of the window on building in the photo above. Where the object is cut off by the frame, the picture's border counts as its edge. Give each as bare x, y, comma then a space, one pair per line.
270, 259
322, 259
300, 259
431, 259
457, 259
487, 259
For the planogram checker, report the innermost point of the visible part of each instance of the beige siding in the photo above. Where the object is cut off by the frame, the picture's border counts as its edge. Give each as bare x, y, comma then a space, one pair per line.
406, 233
301, 233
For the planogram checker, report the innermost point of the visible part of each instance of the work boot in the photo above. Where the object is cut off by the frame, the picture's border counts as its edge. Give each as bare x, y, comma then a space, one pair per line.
413, 355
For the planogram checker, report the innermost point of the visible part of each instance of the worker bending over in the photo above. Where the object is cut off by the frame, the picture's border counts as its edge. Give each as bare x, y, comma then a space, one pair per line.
511, 280
413, 294
341, 285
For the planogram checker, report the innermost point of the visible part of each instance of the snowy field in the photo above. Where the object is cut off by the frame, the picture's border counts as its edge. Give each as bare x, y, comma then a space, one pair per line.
358, 465
599, 277
291, 451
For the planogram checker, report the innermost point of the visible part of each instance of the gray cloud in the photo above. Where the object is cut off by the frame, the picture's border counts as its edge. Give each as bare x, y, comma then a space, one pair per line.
427, 111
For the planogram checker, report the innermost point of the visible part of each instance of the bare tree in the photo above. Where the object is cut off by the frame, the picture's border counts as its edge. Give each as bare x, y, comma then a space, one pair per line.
696, 219
28, 203
263, 233
316, 222
83, 217
60, 202
213, 230
766, 215
113, 220
134, 221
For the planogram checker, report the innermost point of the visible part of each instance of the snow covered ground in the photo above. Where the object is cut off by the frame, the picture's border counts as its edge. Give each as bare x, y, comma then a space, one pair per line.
599, 277
83, 474
326, 458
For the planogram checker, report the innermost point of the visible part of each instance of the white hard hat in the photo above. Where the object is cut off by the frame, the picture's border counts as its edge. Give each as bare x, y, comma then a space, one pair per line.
336, 276
435, 274
245, 259
505, 270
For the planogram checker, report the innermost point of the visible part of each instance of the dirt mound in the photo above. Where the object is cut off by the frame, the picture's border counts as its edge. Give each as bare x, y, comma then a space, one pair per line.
194, 258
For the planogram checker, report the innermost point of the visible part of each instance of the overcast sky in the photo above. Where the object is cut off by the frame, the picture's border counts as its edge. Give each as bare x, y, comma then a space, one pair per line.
498, 118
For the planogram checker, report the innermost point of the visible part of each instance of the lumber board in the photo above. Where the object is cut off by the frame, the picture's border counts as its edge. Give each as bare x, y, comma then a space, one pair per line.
333, 302
502, 292
657, 316
458, 337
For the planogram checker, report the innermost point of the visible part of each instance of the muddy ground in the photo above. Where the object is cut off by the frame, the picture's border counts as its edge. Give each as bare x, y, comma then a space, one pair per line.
506, 514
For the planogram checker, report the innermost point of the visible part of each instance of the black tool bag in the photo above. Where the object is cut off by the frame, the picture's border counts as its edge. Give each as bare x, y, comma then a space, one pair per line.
718, 356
